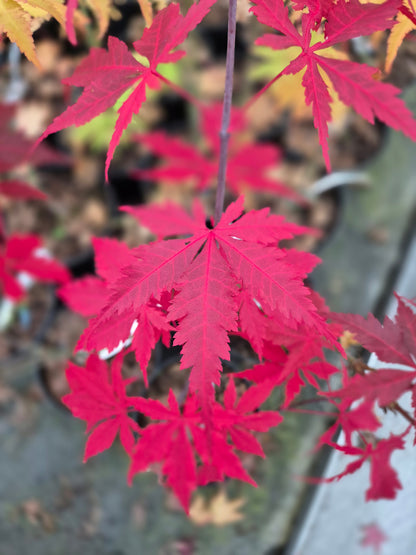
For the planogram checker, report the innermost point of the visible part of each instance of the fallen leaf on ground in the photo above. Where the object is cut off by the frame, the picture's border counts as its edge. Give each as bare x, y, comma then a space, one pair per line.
220, 511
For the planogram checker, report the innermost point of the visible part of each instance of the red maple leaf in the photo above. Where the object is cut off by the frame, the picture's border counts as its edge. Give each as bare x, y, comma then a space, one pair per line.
292, 355
305, 360
278, 369
249, 165
406, 321
392, 342
168, 30
317, 9
19, 254
15, 146
183, 434
169, 441
239, 419
373, 536
354, 83
99, 397
86, 295
385, 385
14, 188
386, 340
205, 271
351, 419
16, 149
89, 295
71, 6
384, 482
252, 322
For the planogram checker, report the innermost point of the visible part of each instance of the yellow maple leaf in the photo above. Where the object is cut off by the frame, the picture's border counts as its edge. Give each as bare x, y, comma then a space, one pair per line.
45, 9
15, 22
101, 9
220, 510
147, 12
104, 10
17, 19
348, 340
397, 35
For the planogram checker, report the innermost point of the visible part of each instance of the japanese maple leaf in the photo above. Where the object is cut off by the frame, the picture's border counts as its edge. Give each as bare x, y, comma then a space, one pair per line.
183, 434
19, 254
406, 321
239, 419
16, 18
89, 295
373, 536
169, 442
205, 270
16, 189
168, 30
384, 482
15, 146
278, 369
218, 459
385, 386
16, 149
249, 164
252, 322
261, 330
99, 397
386, 340
317, 9
86, 295
291, 356
406, 22
102, 11
351, 419
302, 347
353, 82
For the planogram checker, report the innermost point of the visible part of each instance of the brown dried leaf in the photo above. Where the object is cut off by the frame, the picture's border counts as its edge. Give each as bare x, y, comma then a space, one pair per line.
220, 511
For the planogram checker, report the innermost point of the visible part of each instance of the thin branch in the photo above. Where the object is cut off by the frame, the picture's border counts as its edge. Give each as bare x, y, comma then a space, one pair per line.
395, 407
226, 110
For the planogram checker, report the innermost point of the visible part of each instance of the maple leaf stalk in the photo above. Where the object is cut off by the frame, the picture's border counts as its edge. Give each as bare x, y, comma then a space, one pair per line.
180, 91
226, 110
259, 93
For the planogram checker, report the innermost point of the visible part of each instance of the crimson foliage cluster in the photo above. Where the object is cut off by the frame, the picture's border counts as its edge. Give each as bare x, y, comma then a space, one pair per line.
202, 282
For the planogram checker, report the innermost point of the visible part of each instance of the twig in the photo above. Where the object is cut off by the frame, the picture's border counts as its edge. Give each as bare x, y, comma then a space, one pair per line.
226, 111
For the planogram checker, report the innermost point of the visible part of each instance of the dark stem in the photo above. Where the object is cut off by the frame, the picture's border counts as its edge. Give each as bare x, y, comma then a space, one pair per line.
395, 407
226, 110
